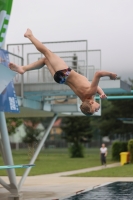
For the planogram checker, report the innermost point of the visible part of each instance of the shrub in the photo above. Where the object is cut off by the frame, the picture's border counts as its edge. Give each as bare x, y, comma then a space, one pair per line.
124, 146
130, 149
76, 150
117, 148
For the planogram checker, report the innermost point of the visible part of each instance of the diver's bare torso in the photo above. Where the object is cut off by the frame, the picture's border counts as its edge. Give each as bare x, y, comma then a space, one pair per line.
79, 84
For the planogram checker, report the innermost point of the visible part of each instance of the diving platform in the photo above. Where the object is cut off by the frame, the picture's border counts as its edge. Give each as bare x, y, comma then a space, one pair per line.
37, 90
45, 99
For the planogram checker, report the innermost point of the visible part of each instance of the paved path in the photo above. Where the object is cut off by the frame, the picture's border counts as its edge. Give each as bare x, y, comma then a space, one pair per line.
56, 186
85, 170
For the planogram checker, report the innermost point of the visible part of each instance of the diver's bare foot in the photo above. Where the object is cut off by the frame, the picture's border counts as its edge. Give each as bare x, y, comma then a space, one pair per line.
113, 76
28, 33
16, 68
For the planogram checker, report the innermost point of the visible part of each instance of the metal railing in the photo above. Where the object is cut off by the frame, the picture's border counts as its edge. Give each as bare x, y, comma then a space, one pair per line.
79, 65
19, 61
74, 53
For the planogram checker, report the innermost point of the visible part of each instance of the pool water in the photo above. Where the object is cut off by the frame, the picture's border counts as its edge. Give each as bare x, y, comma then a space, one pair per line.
112, 191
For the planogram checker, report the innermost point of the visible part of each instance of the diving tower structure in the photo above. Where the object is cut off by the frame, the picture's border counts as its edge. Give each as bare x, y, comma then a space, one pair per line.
39, 95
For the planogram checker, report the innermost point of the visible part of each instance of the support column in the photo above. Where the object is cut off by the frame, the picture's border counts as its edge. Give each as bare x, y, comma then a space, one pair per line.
37, 152
7, 153
4, 184
87, 60
2, 152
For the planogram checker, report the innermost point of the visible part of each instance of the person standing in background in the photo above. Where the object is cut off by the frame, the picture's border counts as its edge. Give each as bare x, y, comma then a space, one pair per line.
103, 152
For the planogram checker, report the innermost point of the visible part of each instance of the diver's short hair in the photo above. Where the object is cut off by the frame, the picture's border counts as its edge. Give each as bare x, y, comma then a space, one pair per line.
86, 108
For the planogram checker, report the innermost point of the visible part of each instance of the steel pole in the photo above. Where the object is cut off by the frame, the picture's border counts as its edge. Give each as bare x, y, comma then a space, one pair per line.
22, 77
7, 152
87, 59
37, 152
5, 185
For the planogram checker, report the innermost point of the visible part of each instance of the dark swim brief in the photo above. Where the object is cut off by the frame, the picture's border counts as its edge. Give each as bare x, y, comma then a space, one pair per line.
62, 75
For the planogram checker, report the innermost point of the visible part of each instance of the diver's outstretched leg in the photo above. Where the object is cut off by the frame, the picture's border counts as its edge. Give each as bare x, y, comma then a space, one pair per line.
55, 61
22, 69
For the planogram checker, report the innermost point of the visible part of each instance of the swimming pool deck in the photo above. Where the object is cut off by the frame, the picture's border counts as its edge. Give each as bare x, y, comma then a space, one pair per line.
56, 186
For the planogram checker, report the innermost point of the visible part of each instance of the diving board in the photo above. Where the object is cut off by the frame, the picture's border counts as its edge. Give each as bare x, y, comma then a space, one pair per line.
16, 166
35, 91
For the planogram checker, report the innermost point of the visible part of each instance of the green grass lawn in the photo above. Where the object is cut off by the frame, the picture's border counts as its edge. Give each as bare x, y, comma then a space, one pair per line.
55, 160
121, 171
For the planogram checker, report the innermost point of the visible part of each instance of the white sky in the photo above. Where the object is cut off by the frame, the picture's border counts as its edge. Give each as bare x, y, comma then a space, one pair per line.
106, 24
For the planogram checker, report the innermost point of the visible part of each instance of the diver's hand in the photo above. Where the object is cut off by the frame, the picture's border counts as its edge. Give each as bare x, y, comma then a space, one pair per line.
103, 96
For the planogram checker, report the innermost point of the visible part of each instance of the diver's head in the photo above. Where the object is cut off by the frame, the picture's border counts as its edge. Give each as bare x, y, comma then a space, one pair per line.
89, 107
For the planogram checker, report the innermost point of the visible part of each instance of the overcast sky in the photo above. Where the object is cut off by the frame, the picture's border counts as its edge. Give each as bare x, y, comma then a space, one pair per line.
106, 24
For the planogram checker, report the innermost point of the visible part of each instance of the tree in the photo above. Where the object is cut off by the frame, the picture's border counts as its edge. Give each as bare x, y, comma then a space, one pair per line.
106, 123
130, 149
12, 124
32, 134
76, 131
124, 111
109, 122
